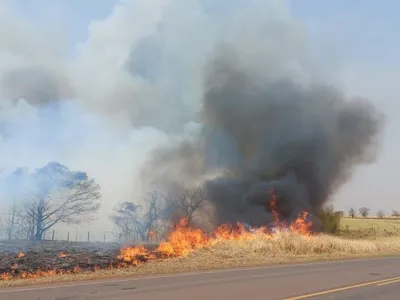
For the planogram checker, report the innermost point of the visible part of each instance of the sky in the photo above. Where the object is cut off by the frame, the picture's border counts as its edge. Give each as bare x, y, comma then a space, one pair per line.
354, 42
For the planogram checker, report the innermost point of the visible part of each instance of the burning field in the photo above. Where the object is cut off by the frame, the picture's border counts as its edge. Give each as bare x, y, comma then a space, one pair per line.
236, 109
187, 248
181, 242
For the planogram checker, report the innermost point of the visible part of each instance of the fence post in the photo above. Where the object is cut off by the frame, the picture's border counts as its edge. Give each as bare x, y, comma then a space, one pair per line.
104, 237
68, 237
52, 236
88, 236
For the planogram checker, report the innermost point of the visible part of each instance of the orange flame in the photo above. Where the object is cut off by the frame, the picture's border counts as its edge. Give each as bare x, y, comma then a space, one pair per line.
62, 254
21, 255
272, 204
183, 240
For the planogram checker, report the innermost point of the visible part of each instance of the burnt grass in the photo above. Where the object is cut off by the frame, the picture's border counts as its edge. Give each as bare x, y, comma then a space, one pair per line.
39, 262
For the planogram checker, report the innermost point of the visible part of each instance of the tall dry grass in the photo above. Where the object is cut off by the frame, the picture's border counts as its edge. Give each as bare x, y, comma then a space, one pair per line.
288, 244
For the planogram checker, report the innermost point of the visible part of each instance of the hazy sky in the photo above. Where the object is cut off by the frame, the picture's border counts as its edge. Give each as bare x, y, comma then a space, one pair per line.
356, 42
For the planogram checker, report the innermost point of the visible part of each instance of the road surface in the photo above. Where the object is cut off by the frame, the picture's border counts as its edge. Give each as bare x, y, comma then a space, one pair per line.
377, 279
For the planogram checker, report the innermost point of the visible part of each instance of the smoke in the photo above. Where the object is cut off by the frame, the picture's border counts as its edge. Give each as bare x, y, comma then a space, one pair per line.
303, 140
206, 87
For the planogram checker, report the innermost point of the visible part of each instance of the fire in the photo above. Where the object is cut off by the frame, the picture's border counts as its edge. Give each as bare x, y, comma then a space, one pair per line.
62, 254
272, 204
134, 255
182, 241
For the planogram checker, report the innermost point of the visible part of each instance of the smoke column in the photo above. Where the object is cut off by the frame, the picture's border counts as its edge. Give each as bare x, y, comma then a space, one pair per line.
218, 93
259, 133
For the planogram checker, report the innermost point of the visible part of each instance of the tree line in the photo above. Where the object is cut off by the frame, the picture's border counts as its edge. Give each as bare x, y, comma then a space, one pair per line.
54, 195
365, 212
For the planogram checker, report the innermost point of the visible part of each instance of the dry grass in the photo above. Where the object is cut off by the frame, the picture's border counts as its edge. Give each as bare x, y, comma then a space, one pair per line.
369, 228
365, 223
283, 248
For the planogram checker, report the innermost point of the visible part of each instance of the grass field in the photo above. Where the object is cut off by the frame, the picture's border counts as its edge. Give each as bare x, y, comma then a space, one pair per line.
369, 227
365, 223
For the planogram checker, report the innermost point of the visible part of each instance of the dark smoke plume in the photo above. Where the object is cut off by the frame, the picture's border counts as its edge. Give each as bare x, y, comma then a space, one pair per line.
303, 141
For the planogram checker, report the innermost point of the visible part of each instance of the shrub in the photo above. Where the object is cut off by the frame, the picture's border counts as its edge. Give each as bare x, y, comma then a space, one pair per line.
330, 220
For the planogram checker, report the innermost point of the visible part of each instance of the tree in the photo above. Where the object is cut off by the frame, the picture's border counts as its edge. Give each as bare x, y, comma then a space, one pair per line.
352, 213
380, 214
13, 187
58, 195
137, 222
128, 220
340, 213
364, 211
186, 204
395, 213
158, 215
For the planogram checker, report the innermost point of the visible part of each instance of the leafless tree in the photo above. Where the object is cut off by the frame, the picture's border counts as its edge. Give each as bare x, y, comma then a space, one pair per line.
60, 196
395, 213
380, 214
352, 213
340, 213
138, 222
186, 204
3, 228
153, 215
16, 226
13, 188
364, 211
127, 217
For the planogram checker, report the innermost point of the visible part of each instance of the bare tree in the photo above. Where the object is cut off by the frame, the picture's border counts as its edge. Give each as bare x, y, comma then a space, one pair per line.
352, 213
395, 213
340, 213
152, 216
380, 214
364, 211
128, 219
137, 222
158, 215
61, 196
185, 205
13, 188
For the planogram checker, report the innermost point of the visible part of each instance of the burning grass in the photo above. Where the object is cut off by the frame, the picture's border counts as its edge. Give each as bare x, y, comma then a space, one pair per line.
254, 250
189, 249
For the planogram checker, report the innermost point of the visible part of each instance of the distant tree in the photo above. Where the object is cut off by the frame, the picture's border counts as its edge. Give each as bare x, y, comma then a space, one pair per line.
380, 214
138, 222
14, 188
186, 204
128, 219
395, 213
57, 195
340, 213
364, 211
352, 213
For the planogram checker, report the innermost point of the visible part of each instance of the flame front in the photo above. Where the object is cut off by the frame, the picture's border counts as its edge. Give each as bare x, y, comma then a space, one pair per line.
182, 241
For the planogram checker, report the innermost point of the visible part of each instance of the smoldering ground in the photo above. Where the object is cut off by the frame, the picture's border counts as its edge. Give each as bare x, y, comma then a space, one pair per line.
302, 140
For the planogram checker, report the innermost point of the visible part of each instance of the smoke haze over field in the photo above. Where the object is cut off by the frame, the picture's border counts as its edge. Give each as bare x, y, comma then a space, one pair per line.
234, 82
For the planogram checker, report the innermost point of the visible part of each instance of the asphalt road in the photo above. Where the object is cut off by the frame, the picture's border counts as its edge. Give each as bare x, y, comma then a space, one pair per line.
377, 278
